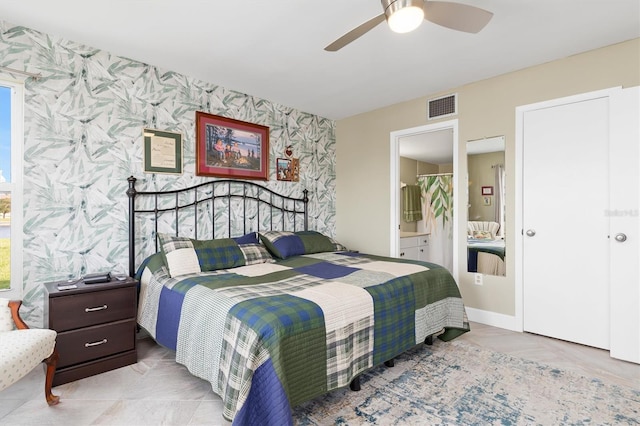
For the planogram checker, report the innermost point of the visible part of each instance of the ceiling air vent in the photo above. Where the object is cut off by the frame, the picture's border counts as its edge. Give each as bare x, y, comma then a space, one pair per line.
442, 107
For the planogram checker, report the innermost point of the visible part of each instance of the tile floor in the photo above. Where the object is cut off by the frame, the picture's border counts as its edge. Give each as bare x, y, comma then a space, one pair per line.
157, 391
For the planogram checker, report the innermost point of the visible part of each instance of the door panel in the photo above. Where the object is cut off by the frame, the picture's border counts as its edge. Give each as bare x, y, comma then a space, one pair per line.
565, 195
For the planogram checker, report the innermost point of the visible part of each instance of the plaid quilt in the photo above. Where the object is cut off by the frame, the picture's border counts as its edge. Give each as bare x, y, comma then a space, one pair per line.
270, 336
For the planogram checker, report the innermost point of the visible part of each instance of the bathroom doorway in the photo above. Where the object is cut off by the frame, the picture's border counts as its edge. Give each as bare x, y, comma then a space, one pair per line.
433, 145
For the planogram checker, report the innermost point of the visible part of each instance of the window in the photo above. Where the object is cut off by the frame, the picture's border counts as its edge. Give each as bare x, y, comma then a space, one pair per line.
11, 104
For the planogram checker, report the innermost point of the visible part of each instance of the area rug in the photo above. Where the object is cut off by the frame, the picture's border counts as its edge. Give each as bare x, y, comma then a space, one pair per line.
456, 383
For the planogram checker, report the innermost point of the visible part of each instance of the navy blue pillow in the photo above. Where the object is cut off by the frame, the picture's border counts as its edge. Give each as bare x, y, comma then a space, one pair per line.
284, 244
251, 238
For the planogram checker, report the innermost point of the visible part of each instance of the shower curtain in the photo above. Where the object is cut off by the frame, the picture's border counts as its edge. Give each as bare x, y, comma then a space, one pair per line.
437, 213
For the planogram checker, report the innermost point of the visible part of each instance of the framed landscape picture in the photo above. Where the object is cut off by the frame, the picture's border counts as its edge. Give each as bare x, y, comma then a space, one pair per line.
231, 148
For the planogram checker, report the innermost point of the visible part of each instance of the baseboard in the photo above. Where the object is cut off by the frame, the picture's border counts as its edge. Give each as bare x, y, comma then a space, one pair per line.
494, 319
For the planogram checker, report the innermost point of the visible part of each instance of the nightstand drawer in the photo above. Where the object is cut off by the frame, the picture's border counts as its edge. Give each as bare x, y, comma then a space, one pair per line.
95, 342
91, 308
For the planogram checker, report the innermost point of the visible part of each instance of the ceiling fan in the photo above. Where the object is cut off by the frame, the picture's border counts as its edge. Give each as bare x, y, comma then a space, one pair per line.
406, 15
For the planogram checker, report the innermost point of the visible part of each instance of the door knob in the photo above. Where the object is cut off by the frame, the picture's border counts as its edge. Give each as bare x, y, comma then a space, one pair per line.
621, 238
531, 232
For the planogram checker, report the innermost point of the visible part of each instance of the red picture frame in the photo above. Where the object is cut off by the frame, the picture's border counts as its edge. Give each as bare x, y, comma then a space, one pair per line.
487, 190
226, 147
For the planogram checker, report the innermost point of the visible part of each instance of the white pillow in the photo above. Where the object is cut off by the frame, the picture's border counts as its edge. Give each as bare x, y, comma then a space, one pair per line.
180, 255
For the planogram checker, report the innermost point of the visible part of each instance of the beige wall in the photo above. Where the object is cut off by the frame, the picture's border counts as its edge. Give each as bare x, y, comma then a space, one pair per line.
445, 168
482, 174
485, 108
427, 168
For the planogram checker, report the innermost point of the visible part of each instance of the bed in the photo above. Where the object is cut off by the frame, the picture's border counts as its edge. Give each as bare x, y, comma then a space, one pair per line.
485, 249
278, 314
486, 256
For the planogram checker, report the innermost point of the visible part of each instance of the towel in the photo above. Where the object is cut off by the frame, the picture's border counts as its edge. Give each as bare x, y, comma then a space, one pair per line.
411, 203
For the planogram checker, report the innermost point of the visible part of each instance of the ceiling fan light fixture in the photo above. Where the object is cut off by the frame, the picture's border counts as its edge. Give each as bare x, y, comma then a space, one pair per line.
403, 16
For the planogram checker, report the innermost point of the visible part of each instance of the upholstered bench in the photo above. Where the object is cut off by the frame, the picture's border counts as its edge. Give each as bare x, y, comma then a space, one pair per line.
22, 349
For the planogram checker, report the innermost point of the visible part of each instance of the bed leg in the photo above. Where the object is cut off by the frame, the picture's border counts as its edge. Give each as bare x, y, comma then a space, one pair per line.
355, 384
390, 363
429, 340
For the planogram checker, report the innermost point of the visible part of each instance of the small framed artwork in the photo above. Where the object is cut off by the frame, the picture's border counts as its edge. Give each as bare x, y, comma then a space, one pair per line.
284, 168
162, 152
486, 201
288, 169
295, 167
231, 148
487, 190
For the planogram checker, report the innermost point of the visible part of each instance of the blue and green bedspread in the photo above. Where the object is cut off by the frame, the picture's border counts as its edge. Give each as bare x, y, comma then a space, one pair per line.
273, 335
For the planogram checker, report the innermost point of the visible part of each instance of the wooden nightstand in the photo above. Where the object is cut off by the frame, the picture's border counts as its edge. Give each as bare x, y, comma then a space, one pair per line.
96, 325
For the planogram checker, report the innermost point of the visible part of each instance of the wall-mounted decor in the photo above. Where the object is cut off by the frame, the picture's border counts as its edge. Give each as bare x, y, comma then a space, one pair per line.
288, 169
283, 168
487, 190
231, 148
486, 201
295, 165
162, 151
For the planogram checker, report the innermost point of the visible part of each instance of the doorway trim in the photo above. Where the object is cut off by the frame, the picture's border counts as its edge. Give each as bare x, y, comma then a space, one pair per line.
394, 236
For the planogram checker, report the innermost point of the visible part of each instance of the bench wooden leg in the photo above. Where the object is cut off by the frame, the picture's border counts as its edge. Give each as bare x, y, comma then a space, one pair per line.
51, 363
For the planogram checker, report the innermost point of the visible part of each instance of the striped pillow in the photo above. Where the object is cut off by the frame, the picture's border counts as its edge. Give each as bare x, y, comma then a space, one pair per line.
179, 255
187, 256
255, 253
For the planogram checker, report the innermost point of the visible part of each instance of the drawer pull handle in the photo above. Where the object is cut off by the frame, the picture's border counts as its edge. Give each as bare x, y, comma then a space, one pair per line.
101, 342
99, 308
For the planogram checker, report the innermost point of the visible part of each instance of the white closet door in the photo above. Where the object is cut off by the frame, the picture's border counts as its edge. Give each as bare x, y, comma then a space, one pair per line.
624, 214
565, 246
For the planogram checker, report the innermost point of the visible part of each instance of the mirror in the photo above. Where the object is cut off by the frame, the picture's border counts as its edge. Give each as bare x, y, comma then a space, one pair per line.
426, 167
486, 193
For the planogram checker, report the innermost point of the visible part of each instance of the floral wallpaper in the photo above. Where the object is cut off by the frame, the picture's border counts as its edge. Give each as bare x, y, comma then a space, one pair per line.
83, 137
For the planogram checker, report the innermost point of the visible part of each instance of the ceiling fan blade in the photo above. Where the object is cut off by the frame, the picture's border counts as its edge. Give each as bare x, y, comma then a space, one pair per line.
456, 16
355, 33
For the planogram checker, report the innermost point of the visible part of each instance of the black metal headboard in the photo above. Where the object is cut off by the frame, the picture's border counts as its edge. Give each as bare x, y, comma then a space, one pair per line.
267, 209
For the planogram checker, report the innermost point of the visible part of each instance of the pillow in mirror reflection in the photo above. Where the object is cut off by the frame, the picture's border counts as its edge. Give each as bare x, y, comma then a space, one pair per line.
482, 235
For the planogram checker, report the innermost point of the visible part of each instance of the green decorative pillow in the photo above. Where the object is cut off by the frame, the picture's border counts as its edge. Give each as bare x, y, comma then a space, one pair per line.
218, 254
284, 244
187, 256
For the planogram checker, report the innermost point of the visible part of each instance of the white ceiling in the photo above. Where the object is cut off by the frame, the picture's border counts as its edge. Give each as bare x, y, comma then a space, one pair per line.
274, 49
482, 146
435, 147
